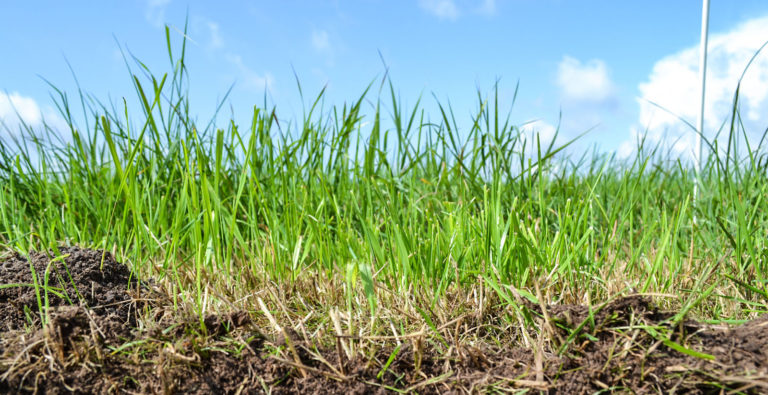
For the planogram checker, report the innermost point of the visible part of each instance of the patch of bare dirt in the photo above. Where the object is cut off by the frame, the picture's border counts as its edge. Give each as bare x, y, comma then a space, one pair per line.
88, 277
91, 344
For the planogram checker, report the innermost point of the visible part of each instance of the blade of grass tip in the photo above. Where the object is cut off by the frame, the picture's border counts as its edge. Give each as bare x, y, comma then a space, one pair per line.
168, 43
81, 94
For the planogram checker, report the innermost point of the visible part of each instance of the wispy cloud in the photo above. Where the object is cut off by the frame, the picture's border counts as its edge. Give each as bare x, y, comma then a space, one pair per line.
537, 129
585, 81
210, 36
214, 37
452, 10
487, 7
14, 106
673, 85
250, 78
16, 109
154, 12
320, 41
443, 9
323, 45
588, 95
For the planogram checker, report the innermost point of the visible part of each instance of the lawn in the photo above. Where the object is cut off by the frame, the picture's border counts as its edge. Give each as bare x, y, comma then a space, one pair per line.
370, 246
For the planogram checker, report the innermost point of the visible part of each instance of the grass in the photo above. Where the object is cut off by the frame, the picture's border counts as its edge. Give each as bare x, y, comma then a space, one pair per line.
366, 219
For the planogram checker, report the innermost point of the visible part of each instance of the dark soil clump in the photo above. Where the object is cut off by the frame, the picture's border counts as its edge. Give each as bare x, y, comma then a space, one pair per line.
92, 343
88, 277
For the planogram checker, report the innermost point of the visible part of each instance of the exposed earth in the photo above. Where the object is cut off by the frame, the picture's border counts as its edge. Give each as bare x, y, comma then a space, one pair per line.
95, 341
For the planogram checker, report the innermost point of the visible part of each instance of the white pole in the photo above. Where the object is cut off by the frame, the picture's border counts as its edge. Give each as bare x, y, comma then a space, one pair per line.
703, 79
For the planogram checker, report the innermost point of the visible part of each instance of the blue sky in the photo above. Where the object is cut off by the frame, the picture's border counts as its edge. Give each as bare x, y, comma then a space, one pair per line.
594, 61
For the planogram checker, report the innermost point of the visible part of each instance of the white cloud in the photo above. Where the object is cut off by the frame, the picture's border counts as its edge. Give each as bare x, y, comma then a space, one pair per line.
443, 9
588, 96
203, 32
537, 128
452, 9
16, 109
250, 78
585, 82
487, 7
215, 37
673, 84
320, 40
154, 12
628, 147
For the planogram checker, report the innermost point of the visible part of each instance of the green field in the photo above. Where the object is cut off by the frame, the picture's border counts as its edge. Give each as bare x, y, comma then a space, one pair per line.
365, 219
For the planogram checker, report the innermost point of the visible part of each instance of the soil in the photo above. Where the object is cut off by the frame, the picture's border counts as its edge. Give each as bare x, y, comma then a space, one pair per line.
94, 342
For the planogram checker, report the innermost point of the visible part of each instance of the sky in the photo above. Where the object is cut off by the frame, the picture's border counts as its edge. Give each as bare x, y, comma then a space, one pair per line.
600, 66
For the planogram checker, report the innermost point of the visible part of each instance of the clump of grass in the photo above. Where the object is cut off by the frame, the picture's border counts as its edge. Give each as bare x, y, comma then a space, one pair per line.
374, 202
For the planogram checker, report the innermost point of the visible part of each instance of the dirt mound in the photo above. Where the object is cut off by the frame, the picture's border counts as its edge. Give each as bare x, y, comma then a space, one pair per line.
89, 277
629, 345
94, 346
